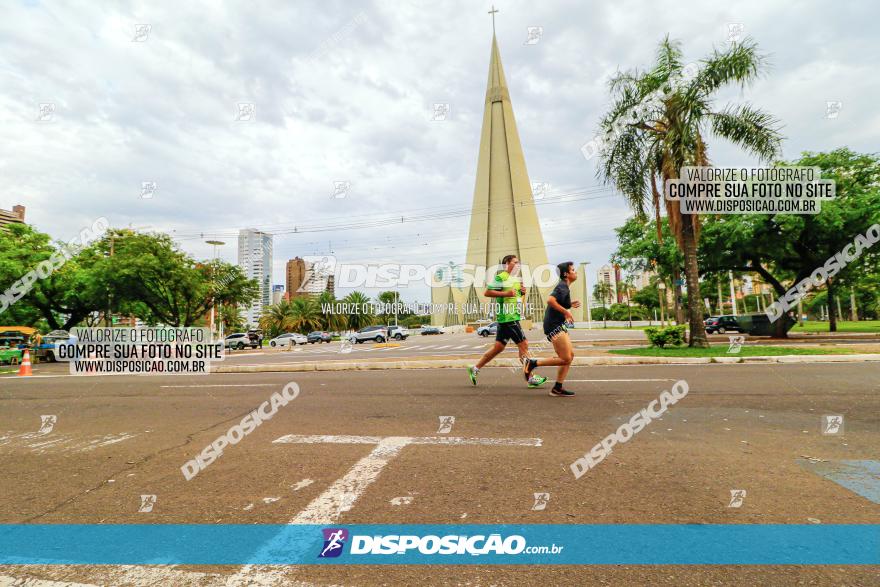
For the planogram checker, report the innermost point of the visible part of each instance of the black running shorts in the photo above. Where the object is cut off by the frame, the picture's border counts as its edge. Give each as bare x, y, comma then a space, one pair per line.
509, 331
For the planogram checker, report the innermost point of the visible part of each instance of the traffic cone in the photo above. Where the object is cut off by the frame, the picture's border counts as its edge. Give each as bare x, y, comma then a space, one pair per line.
25, 369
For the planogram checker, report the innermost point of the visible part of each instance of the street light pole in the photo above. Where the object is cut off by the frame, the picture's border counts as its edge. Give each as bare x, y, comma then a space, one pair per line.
587, 295
732, 292
213, 269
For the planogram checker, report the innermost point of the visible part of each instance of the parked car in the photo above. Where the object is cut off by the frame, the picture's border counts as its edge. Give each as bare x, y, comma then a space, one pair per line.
722, 324
48, 348
431, 330
239, 340
288, 339
488, 329
377, 333
397, 332
12, 338
319, 336
10, 355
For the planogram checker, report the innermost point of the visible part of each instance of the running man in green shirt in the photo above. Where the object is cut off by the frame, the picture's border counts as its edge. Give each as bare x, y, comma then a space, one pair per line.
509, 292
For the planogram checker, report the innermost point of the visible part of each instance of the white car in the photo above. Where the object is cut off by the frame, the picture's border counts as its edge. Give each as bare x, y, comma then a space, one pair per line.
288, 339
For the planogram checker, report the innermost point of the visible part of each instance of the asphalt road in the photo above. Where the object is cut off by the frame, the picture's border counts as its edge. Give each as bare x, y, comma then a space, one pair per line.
748, 427
472, 345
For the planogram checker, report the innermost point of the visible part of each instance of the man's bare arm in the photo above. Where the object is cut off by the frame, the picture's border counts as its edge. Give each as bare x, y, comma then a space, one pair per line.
491, 293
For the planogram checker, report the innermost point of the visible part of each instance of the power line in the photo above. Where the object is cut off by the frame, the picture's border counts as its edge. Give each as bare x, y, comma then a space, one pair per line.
391, 220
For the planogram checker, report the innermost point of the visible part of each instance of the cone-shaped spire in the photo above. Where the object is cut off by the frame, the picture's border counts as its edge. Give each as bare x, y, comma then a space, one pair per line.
503, 218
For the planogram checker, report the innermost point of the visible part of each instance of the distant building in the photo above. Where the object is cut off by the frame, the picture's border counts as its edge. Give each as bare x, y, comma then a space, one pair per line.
308, 278
610, 275
255, 259
642, 279
277, 294
15, 216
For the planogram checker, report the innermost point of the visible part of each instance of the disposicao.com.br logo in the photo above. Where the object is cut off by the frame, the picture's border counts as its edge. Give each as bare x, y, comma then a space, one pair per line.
430, 544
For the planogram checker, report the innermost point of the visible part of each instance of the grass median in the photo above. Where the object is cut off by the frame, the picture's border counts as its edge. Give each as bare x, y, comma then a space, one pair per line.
842, 326
720, 350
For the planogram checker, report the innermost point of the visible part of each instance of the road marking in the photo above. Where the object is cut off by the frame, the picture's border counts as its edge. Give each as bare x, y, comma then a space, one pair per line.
610, 380
341, 495
225, 385
861, 477
345, 491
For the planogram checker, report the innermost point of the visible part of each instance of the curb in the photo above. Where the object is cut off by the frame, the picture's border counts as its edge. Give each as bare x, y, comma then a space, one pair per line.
578, 362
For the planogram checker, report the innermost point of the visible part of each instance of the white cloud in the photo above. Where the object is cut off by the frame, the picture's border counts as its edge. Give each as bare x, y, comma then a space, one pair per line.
344, 92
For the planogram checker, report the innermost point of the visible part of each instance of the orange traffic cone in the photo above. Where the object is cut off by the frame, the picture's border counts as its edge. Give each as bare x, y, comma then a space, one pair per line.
25, 368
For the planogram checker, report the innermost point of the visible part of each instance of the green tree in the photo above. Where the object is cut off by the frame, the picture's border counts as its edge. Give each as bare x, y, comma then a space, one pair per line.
656, 126
68, 295
642, 248
601, 291
648, 297
361, 318
230, 317
332, 320
277, 319
151, 278
785, 249
306, 314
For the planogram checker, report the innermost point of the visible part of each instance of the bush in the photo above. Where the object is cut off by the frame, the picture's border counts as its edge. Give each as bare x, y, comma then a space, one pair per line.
661, 337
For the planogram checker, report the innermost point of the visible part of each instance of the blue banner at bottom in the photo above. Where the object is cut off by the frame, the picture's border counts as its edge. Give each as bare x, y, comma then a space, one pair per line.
370, 544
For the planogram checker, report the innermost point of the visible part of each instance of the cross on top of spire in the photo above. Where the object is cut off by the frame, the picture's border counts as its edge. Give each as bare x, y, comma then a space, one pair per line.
492, 12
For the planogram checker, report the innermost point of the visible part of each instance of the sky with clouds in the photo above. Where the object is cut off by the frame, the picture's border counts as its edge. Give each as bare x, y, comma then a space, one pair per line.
344, 92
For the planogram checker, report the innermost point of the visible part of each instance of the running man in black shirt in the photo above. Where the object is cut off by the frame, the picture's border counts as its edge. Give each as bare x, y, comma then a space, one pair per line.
556, 316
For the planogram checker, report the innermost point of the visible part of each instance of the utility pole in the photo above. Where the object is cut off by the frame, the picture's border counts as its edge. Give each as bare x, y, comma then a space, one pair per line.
107, 320
587, 296
213, 285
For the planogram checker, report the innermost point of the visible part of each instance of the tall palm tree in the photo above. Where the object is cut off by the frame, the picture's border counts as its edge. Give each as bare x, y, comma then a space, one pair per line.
277, 318
674, 109
331, 320
305, 314
358, 320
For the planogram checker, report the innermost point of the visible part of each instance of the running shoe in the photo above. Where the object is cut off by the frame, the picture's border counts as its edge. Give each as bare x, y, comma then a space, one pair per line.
537, 381
473, 375
528, 366
560, 392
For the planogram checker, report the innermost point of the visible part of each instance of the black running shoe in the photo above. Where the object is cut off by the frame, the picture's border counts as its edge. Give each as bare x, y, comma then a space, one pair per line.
560, 392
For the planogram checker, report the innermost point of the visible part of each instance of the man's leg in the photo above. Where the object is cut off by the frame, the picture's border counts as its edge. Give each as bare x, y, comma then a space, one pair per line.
523, 347
493, 352
496, 348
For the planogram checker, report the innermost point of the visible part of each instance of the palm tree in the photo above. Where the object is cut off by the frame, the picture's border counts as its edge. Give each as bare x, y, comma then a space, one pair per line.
231, 318
331, 320
277, 318
656, 126
601, 291
305, 314
358, 320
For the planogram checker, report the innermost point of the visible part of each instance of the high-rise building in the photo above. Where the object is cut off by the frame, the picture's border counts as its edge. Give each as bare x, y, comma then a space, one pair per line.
16, 215
255, 259
609, 275
309, 278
